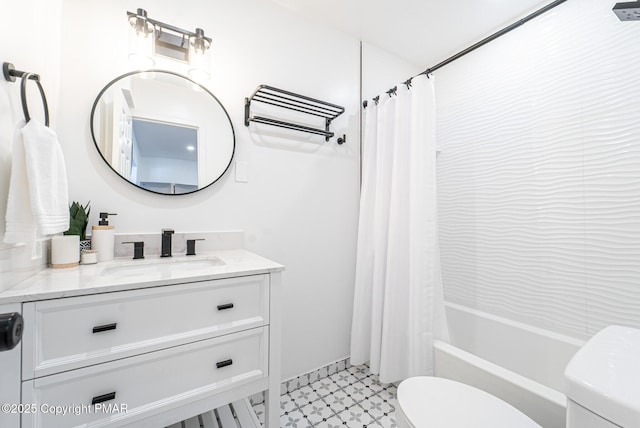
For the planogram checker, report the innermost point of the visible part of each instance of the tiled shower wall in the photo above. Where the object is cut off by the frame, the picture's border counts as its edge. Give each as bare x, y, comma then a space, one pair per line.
539, 174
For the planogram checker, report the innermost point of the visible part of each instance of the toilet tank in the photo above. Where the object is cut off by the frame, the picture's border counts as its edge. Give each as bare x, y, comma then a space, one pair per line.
602, 381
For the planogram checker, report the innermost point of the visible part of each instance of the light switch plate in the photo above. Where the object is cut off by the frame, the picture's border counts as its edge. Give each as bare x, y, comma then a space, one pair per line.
242, 172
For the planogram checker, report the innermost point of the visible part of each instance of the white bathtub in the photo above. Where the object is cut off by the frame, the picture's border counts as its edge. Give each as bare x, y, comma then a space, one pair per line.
520, 364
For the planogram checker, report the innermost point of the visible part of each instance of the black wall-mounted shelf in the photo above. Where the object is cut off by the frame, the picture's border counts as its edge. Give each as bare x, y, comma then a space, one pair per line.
291, 101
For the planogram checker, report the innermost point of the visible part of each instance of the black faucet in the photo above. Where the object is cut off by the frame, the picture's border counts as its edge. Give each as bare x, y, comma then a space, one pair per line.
191, 246
138, 249
166, 242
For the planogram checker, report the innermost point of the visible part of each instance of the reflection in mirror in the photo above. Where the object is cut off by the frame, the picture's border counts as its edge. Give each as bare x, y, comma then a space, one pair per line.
162, 132
164, 155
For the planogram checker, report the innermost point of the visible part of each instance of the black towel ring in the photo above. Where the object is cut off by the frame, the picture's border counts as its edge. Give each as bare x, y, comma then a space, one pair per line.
23, 97
10, 74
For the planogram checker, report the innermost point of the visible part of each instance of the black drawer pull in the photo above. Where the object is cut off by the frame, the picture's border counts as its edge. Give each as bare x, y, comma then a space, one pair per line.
103, 398
224, 363
106, 327
225, 306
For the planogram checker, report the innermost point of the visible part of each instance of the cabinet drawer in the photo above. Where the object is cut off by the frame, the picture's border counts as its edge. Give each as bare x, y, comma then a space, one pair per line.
147, 384
70, 333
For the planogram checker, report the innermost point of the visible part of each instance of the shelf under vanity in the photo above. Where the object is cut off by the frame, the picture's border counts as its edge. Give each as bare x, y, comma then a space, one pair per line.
180, 340
235, 415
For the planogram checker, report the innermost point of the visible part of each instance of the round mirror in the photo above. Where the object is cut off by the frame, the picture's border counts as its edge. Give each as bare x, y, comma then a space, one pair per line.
162, 132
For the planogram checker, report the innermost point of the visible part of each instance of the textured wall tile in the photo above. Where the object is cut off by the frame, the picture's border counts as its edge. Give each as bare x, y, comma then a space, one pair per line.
539, 174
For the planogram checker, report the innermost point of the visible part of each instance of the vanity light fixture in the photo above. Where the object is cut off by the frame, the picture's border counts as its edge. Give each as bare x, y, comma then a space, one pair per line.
148, 37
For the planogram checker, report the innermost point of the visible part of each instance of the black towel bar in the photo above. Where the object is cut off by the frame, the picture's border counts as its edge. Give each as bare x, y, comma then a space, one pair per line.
10, 74
291, 101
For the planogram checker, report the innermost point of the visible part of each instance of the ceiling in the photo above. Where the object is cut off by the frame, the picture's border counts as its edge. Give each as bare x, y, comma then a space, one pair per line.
423, 32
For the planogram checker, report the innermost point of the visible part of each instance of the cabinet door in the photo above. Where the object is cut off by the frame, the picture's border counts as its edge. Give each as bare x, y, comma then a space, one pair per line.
66, 334
133, 389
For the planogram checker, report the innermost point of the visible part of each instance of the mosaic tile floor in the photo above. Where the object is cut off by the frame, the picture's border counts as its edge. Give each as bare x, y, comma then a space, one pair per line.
352, 398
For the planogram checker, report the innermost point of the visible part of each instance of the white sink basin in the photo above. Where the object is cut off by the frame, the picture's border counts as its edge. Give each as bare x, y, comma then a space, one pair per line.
159, 265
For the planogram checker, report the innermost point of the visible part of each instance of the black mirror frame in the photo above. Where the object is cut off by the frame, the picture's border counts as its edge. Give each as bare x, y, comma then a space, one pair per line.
95, 141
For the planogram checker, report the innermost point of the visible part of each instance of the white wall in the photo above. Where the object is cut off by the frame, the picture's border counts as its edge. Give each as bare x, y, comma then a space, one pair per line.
539, 174
381, 70
31, 41
301, 202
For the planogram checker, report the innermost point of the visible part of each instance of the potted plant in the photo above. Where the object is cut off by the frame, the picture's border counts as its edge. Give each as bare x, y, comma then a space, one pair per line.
78, 221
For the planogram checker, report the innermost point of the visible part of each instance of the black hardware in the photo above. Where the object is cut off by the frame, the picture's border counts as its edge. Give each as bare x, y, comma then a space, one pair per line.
365, 103
376, 99
224, 363
247, 111
102, 398
392, 91
627, 11
287, 125
292, 101
342, 140
225, 306
10, 74
138, 249
106, 327
104, 219
191, 246
490, 38
11, 327
166, 242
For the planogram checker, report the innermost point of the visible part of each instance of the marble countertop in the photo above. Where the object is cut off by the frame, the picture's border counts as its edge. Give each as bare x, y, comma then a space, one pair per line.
126, 274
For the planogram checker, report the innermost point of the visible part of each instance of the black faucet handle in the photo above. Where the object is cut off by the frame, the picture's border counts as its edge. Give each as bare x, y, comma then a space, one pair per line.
138, 249
191, 246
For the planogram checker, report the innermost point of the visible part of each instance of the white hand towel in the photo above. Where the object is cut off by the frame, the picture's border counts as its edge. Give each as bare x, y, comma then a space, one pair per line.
20, 223
47, 176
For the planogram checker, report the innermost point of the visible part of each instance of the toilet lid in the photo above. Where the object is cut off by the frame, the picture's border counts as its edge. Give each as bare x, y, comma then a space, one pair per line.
437, 402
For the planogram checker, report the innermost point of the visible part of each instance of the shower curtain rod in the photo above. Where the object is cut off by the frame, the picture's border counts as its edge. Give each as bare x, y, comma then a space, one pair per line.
475, 46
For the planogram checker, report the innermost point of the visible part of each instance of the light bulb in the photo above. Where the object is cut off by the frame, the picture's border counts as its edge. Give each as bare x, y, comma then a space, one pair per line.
141, 40
199, 56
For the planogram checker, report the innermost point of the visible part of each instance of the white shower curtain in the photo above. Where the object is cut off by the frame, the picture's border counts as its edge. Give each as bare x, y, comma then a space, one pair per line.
398, 303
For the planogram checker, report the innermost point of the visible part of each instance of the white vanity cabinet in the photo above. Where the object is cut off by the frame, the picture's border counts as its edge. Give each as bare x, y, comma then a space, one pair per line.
150, 356
66, 334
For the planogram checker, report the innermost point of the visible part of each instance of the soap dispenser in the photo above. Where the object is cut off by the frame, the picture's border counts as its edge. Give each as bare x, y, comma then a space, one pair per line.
103, 238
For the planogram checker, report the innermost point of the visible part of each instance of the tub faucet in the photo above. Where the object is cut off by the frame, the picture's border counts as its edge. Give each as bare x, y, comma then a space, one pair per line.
166, 242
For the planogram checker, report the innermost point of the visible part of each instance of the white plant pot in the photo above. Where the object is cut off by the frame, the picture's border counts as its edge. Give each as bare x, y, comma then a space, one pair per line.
65, 251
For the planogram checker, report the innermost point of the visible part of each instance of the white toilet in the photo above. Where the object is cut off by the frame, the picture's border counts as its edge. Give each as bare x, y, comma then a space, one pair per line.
602, 384
433, 402
602, 381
